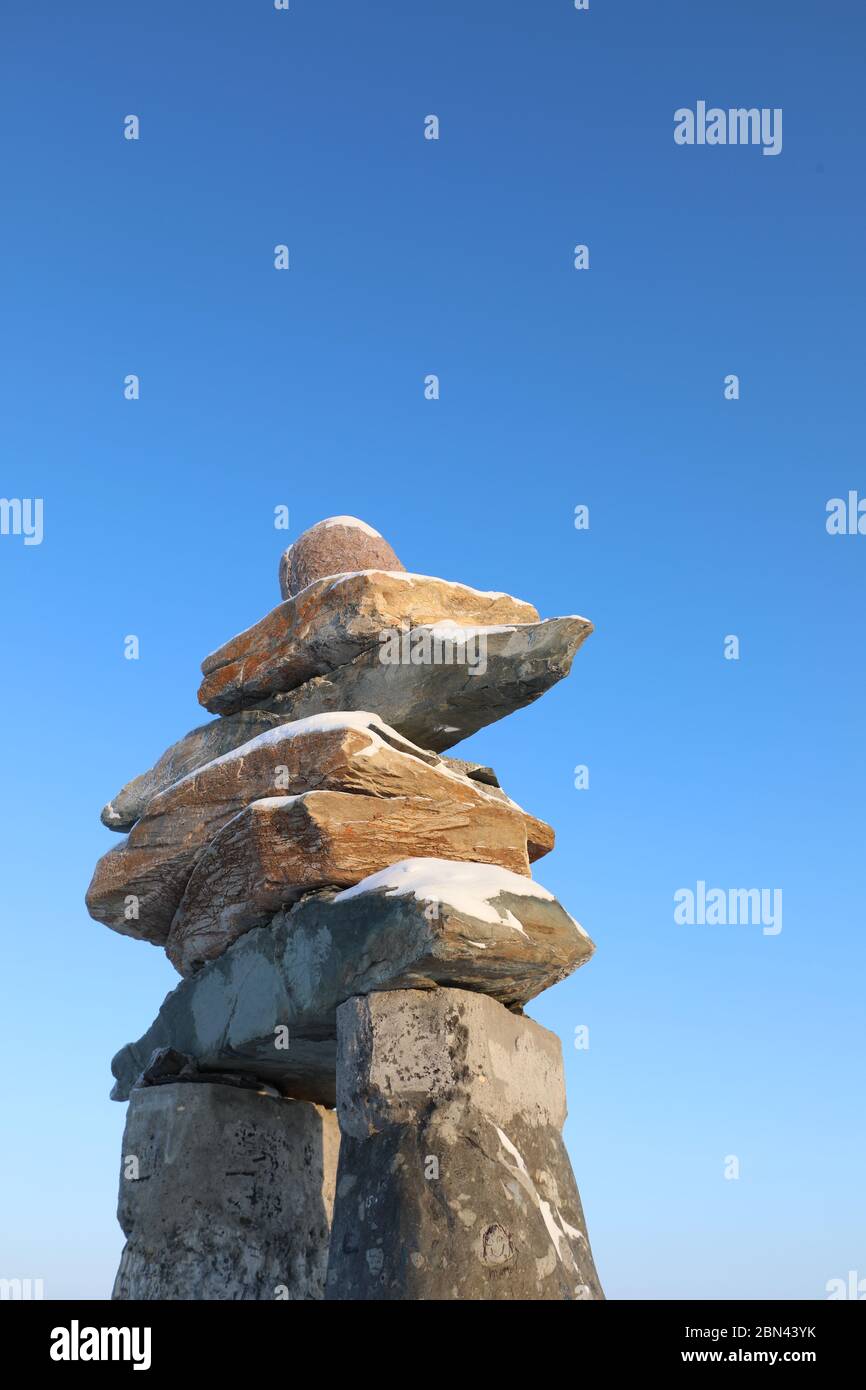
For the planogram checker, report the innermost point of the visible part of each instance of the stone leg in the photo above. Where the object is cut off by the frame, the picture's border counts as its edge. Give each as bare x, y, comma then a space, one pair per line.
453, 1180
225, 1193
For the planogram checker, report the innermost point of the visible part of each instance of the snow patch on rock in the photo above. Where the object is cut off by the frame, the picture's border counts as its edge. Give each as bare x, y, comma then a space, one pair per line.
349, 521
361, 720
467, 888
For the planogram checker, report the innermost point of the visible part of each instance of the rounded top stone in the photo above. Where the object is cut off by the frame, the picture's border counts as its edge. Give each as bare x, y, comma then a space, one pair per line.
337, 545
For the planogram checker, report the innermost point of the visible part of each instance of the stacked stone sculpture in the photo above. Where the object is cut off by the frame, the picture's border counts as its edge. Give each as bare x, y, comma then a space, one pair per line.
342, 1098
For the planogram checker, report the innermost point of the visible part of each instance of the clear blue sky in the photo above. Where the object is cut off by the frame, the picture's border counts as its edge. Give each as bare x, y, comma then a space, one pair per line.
558, 387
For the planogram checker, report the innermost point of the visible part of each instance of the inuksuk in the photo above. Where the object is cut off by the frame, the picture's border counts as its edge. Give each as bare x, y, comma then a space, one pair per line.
343, 1098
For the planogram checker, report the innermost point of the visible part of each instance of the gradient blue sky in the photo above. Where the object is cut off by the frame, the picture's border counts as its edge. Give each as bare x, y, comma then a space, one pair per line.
558, 388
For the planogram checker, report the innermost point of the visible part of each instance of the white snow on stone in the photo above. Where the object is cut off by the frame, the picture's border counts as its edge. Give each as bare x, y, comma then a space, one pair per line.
515, 1153
335, 580
446, 630
571, 1231
380, 735
467, 888
557, 1235
214, 845
555, 1230
361, 720
272, 802
348, 521
408, 578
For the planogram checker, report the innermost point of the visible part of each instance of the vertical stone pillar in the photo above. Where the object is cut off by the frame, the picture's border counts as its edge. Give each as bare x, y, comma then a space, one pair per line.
453, 1180
225, 1193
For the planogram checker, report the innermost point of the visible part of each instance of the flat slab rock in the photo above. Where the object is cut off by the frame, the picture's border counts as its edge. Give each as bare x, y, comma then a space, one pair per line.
331, 622
137, 887
433, 706
200, 745
453, 1180
224, 1194
437, 706
223, 735
267, 1006
278, 849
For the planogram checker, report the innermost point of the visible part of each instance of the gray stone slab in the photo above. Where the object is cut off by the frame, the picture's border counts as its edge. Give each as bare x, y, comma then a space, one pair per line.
201, 745
437, 706
453, 1181
434, 706
225, 1194
267, 1006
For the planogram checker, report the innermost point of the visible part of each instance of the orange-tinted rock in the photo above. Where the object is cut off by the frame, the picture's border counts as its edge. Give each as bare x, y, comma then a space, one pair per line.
339, 545
279, 848
333, 621
439, 705
196, 748
136, 887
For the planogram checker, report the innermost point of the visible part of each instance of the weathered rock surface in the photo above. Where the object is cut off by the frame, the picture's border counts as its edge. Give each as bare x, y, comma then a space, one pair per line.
357, 925
199, 746
334, 620
137, 886
279, 848
437, 706
335, 546
419, 924
224, 1194
213, 740
434, 706
453, 1180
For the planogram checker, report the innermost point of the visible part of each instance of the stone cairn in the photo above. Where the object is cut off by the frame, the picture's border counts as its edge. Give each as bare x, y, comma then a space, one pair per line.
356, 926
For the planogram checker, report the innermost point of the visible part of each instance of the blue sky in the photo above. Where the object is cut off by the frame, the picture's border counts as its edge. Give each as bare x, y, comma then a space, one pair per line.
602, 387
